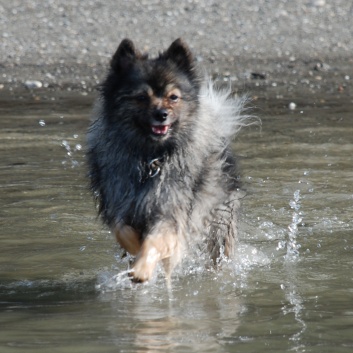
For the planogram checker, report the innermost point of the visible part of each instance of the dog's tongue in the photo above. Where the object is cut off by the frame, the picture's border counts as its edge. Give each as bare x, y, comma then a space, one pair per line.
160, 129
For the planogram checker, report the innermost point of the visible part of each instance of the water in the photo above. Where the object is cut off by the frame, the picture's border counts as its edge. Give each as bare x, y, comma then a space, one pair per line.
63, 282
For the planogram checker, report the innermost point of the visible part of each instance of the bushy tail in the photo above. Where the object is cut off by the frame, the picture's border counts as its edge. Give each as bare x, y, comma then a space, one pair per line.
228, 112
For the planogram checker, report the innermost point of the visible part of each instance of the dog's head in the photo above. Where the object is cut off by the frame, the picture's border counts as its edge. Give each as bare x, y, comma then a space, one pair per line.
157, 97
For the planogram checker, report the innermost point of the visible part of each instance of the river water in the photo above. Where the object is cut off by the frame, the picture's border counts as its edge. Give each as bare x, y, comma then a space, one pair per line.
62, 281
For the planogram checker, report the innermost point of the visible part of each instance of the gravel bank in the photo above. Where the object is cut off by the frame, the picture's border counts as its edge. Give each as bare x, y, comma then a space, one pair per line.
66, 44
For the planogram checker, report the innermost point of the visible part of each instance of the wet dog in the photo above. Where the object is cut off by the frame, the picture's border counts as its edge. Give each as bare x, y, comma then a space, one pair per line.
159, 158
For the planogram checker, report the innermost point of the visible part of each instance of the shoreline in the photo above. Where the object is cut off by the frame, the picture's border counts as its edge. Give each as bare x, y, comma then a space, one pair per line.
268, 78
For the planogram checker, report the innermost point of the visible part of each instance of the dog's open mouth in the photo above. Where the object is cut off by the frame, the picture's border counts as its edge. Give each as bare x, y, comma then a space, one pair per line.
160, 130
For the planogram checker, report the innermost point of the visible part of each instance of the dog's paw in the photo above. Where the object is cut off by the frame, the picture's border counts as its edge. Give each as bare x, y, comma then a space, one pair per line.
144, 266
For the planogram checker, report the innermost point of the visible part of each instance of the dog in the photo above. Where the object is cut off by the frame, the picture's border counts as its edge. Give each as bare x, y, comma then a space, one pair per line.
160, 163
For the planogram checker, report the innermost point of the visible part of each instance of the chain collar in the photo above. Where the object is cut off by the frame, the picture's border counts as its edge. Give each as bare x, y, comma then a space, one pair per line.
154, 167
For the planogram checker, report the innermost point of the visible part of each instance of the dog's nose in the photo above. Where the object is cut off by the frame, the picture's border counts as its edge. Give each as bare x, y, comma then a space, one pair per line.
161, 115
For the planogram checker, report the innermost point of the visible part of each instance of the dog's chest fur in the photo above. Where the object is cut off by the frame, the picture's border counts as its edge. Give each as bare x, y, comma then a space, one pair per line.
187, 181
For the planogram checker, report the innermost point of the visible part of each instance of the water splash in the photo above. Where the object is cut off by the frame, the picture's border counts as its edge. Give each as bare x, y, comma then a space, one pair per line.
229, 274
70, 153
292, 246
290, 287
108, 282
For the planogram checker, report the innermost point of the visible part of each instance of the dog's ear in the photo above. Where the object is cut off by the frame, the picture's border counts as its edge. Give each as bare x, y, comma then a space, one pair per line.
125, 56
180, 54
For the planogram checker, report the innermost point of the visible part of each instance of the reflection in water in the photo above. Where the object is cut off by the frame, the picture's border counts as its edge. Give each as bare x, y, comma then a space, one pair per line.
201, 309
190, 314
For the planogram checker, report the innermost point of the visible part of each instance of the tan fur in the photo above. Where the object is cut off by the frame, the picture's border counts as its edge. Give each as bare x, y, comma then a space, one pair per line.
162, 244
128, 238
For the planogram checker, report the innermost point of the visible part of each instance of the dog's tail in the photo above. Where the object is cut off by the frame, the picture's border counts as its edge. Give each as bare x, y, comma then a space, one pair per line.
228, 113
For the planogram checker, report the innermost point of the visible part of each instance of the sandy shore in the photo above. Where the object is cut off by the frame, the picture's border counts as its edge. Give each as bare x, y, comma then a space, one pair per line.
297, 46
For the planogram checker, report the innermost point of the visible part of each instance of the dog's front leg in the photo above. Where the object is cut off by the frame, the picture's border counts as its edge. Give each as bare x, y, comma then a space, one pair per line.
127, 237
162, 243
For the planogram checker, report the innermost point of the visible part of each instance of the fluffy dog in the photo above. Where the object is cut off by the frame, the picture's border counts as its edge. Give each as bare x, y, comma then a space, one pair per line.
159, 158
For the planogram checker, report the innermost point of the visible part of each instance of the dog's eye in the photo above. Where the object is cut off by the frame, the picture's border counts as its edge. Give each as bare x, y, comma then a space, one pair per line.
141, 98
174, 98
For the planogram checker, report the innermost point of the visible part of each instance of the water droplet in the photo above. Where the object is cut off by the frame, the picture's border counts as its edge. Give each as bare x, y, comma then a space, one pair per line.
281, 245
296, 195
66, 144
292, 106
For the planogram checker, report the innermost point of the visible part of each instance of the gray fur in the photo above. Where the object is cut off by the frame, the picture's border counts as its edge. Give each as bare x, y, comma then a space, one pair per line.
197, 190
